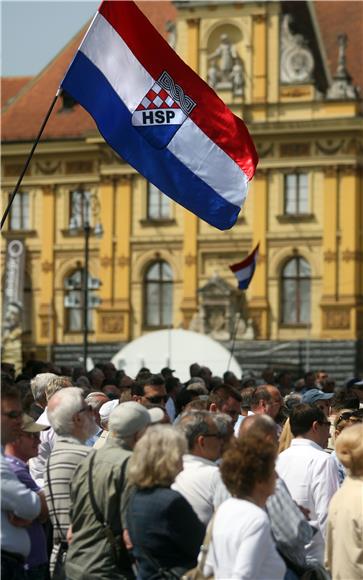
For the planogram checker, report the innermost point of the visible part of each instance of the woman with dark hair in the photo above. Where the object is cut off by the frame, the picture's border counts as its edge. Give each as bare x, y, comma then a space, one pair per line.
242, 545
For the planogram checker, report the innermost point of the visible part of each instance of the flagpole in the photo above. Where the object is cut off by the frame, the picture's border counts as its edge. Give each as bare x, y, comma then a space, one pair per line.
8, 207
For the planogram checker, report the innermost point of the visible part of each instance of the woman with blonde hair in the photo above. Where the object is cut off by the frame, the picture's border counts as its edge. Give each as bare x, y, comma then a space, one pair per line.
165, 531
344, 547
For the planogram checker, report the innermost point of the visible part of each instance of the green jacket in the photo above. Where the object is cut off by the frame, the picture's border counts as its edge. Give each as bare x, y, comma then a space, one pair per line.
90, 555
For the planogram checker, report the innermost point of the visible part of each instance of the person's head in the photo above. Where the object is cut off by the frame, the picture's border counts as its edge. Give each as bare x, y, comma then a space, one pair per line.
25, 446
355, 386
194, 370
319, 399
172, 386
310, 422
246, 396
203, 434
96, 400
8, 369
11, 412
167, 372
105, 412
266, 400
157, 458
206, 374
109, 370
321, 377
261, 425
128, 422
226, 399
268, 376
349, 449
96, 378
284, 381
38, 386
55, 384
229, 378
248, 468
150, 391
110, 389
309, 380
347, 418
70, 415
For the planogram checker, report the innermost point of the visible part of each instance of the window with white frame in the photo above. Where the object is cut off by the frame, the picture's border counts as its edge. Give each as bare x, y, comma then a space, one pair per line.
158, 295
158, 204
296, 194
19, 214
296, 292
73, 302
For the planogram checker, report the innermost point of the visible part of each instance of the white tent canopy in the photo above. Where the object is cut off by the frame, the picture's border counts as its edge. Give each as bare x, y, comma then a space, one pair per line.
177, 349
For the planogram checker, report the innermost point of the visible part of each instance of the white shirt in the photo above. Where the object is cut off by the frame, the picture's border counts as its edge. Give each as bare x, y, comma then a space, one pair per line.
16, 498
242, 546
239, 422
47, 441
311, 476
201, 484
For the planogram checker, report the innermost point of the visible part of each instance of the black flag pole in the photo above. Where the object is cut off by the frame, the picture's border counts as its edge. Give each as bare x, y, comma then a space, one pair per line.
8, 207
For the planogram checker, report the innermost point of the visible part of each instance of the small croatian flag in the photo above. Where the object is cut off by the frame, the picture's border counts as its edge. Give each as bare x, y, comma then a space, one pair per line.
245, 270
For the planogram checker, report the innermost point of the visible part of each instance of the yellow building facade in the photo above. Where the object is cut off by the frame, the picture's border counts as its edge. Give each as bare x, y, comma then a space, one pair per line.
305, 204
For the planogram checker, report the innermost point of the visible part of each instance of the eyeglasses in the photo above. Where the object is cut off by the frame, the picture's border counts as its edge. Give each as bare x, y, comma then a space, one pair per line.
157, 399
13, 414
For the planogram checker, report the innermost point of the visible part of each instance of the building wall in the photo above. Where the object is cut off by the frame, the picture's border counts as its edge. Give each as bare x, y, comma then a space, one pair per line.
294, 129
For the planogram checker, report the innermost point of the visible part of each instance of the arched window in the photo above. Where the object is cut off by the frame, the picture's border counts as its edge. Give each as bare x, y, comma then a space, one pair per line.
73, 301
295, 292
158, 297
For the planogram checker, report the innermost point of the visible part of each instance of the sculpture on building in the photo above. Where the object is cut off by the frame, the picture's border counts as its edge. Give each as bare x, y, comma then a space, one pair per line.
296, 58
11, 346
170, 28
226, 70
342, 87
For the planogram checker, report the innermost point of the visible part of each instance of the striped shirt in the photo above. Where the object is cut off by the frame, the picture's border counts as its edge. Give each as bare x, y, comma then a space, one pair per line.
67, 454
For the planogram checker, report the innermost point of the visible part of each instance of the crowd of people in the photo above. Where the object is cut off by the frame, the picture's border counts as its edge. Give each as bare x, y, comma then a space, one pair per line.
111, 477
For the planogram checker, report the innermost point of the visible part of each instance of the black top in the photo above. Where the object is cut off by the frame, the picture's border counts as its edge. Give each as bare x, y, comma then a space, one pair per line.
165, 531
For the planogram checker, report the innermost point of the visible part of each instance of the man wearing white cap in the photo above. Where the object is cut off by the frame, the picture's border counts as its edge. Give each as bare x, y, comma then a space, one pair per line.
98, 493
105, 412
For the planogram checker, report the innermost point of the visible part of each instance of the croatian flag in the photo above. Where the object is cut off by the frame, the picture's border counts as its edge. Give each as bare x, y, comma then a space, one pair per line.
245, 270
160, 117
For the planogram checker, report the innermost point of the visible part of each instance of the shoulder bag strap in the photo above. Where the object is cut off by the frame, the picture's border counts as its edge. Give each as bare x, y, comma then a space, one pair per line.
52, 502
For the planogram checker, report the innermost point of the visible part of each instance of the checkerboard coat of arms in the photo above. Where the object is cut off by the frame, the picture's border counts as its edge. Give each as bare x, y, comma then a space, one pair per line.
162, 111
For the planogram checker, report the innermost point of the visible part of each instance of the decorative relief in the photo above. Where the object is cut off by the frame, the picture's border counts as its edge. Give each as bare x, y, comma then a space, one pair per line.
256, 317
294, 92
337, 318
355, 256
226, 69
342, 87
190, 260
106, 261
330, 256
331, 171
265, 150
72, 167
329, 146
294, 149
44, 328
47, 266
296, 59
123, 261
112, 323
48, 167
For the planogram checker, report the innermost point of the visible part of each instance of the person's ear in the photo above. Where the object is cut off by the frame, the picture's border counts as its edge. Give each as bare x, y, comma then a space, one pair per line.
213, 408
315, 426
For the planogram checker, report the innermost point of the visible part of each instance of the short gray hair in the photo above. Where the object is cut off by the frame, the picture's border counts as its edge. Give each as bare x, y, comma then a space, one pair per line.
196, 423
65, 404
38, 384
156, 459
55, 384
92, 399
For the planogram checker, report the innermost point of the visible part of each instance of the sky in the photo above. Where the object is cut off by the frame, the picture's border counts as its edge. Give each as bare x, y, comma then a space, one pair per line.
32, 33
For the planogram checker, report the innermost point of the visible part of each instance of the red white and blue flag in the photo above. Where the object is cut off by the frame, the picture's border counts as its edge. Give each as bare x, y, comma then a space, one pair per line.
245, 270
160, 117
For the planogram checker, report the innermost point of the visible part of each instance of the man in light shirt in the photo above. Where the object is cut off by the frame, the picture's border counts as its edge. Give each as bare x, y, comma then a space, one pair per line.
200, 480
19, 505
310, 473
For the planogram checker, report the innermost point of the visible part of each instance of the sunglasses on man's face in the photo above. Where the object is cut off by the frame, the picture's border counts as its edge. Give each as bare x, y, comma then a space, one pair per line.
157, 399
